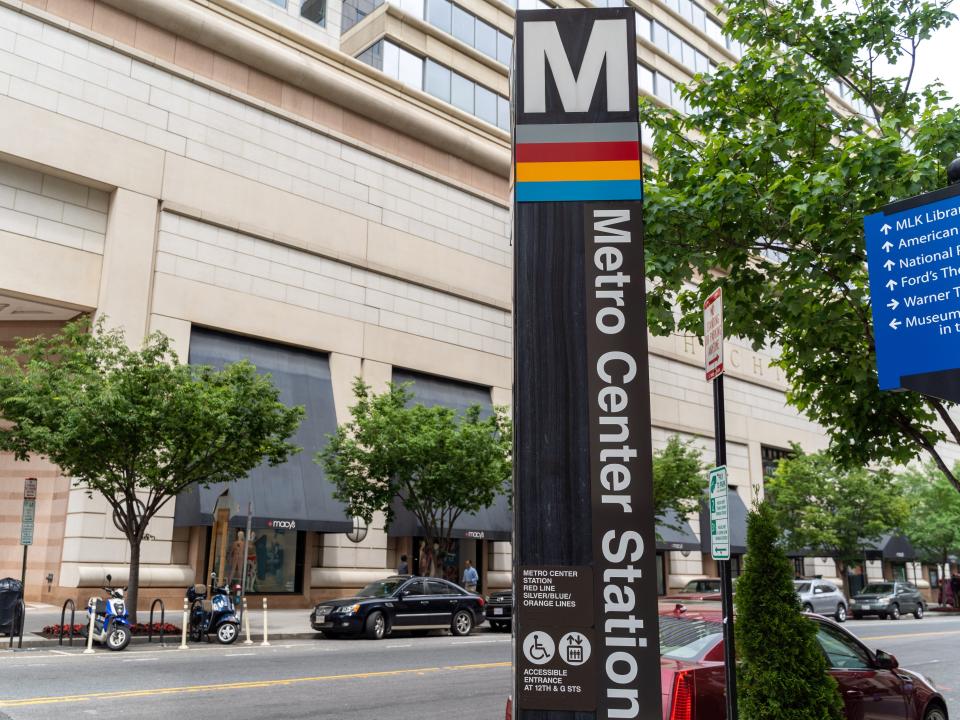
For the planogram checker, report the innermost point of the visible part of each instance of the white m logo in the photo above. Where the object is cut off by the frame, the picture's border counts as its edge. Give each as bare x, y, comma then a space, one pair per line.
542, 44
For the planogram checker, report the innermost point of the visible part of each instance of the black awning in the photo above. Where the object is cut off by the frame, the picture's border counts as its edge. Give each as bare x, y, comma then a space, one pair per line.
298, 490
682, 538
896, 548
492, 523
737, 522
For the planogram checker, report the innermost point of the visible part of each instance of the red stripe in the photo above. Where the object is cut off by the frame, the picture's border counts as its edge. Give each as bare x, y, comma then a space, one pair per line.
577, 152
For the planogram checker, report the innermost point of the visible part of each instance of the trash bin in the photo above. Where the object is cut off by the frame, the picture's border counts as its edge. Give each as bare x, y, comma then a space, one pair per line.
11, 591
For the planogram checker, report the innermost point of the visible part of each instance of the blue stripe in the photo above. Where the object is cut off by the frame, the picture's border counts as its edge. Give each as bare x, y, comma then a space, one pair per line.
579, 190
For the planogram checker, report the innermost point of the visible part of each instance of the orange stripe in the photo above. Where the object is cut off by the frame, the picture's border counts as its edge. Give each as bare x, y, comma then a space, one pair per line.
553, 171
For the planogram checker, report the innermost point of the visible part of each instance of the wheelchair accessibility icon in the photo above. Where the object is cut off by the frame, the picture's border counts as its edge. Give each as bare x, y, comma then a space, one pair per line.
538, 647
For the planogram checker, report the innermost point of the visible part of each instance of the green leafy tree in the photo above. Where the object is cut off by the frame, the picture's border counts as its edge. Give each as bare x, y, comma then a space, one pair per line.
825, 508
137, 426
762, 188
787, 679
933, 521
678, 480
437, 463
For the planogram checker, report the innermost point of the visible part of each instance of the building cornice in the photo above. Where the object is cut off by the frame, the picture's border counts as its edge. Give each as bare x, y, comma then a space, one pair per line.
328, 73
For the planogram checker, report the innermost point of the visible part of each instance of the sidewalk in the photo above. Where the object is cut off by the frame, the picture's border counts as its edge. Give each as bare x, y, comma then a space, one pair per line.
283, 625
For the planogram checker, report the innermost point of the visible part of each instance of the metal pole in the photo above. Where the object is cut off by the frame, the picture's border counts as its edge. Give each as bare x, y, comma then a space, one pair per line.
23, 572
186, 620
726, 582
246, 550
91, 628
265, 642
246, 623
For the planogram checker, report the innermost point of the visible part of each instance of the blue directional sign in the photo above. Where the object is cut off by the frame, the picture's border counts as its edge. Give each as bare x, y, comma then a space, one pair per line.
913, 256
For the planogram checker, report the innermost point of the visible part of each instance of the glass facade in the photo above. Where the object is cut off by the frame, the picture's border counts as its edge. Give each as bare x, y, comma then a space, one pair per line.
314, 11
439, 81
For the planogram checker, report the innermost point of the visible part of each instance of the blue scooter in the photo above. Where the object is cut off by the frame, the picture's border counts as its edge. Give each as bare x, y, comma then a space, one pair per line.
218, 616
110, 626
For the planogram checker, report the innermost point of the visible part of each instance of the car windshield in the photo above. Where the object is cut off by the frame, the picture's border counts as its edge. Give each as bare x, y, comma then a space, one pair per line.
381, 588
878, 589
685, 639
802, 587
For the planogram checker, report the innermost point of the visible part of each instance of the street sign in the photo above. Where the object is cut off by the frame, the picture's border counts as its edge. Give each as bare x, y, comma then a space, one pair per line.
713, 334
719, 521
26, 522
30, 489
913, 257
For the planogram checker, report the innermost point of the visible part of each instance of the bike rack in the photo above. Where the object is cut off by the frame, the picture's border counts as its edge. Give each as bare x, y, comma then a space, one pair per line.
22, 615
73, 617
163, 615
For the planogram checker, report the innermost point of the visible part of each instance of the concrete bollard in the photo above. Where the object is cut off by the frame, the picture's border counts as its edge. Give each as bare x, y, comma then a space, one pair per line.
265, 642
186, 622
90, 629
246, 623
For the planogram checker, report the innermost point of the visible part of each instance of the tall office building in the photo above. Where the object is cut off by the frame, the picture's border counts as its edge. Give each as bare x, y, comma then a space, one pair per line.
322, 187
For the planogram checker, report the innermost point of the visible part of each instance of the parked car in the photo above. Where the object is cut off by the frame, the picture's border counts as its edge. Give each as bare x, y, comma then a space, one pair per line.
400, 603
705, 588
499, 609
872, 684
821, 596
888, 600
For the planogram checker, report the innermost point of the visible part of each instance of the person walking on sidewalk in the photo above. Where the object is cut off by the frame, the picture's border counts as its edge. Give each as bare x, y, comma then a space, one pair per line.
470, 577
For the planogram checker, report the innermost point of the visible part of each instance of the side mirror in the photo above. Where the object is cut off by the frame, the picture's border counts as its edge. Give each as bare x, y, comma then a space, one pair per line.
886, 661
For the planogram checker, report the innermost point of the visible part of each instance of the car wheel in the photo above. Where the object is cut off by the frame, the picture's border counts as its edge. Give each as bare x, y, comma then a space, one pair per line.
918, 613
841, 614
894, 612
462, 623
376, 626
935, 712
807, 608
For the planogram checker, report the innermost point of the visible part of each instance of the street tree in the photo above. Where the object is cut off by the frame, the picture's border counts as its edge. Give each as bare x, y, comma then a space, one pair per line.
678, 480
437, 463
830, 510
787, 679
933, 520
137, 426
761, 189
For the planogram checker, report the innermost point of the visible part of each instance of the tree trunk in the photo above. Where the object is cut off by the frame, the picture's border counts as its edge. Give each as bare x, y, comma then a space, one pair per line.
133, 584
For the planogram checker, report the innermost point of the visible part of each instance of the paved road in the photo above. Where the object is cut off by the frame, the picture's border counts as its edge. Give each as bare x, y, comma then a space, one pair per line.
930, 647
403, 678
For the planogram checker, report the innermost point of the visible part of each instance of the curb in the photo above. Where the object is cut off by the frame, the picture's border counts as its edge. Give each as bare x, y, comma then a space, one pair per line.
39, 642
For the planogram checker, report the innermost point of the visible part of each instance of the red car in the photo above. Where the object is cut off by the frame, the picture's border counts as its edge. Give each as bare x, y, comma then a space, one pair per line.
871, 683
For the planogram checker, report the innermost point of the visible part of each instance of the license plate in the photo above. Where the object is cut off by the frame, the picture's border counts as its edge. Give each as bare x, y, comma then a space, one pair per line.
498, 611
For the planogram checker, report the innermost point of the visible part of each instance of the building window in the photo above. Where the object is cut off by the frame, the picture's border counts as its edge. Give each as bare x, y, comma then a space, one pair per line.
281, 3
770, 458
314, 11
645, 78
439, 14
439, 81
798, 569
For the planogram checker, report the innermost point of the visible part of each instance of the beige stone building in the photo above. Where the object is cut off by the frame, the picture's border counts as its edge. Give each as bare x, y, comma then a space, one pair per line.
322, 186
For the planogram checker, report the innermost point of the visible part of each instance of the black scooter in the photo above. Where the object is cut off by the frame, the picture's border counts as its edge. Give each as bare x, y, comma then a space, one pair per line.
217, 616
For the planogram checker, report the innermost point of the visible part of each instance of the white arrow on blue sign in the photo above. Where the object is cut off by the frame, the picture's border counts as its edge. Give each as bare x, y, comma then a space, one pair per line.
913, 256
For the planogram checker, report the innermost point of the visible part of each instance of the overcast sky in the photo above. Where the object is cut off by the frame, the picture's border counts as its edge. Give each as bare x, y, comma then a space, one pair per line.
939, 58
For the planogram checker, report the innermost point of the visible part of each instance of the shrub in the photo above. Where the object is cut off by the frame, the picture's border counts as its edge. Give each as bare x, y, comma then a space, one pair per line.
782, 672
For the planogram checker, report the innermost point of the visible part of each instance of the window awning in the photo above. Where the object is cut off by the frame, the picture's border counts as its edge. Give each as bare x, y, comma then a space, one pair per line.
682, 538
298, 490
737, 522
896, 548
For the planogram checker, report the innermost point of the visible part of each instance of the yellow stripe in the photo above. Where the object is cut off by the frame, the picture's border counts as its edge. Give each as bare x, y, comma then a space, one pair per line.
553, 171
119, 694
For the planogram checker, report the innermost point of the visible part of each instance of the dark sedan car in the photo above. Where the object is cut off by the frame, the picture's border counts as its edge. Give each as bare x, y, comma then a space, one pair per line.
400, 602
500, 610
888, 600
872, 684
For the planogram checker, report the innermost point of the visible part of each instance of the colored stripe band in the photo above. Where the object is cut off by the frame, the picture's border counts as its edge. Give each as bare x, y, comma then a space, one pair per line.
579, 191
577, 152
551, 171
578, 132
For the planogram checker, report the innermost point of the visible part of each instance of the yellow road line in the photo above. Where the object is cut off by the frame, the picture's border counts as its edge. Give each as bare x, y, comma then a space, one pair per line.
121, 694
911, 635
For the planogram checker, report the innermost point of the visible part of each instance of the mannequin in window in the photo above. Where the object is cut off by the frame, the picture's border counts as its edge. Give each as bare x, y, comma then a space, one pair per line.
236, 557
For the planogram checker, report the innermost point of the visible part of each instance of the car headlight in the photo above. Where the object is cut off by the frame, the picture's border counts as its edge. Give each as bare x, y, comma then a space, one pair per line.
348, 609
